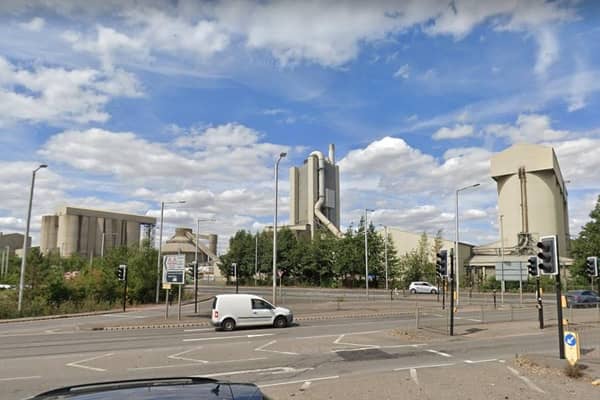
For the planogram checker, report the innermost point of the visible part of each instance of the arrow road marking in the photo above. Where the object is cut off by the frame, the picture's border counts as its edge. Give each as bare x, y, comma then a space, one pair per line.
77, 364
272, 371
263, 348
177, 356
300, 381
439, 353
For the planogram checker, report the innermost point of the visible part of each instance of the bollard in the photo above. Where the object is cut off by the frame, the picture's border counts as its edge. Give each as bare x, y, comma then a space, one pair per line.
417, 317
494, 293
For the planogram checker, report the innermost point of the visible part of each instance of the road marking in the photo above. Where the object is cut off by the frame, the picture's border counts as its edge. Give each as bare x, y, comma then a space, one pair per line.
305, 386
76, 364
273, 370
481, 361
398, 346
194, 364
531, 385
20, 378
413, 375
227, 337
347, 350
299, 381
177, 356
424, 366
262, 348
199, 330
336, 334
468, 319
439, 353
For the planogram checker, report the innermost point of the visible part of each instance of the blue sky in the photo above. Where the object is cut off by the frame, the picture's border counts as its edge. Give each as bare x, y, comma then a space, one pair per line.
132, 104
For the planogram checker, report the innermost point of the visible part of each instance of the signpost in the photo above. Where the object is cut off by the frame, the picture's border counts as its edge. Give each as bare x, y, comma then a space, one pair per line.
572, 350
173, 274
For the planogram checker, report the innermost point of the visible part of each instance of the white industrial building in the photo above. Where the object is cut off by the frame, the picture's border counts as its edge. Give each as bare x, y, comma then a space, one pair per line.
90, 232
315, 194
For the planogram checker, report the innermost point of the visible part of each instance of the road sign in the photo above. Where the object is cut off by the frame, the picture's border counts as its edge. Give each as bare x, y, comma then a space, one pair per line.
174, 269
572, 351
512, 271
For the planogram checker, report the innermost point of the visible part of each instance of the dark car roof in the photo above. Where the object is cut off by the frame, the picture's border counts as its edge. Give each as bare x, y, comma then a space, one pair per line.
157, 389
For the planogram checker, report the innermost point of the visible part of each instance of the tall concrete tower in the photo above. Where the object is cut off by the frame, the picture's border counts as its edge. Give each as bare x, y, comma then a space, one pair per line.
532, 198
315, 194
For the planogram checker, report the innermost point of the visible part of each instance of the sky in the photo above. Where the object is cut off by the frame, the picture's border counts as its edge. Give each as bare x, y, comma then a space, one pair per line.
134, 103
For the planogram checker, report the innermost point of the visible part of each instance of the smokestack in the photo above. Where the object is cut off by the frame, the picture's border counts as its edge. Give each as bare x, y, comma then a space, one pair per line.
332, 153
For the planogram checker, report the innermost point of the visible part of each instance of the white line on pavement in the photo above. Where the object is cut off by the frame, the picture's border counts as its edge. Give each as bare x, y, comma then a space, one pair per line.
19, 378
347, 350
76, 364
199, 330
337, 334
413, 375
194, 364
299, 381
263, 348
227, 337
177, 356
528, 382
481, 361
439, 353
424, 366
273, 370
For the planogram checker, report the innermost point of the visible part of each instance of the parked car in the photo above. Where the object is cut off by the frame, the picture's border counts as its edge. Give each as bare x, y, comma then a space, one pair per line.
422, 287
232, 310
582, 298
155, 389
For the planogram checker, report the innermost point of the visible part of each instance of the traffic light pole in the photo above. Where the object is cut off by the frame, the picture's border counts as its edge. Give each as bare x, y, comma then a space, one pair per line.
196, 288
237, 282
451, 293
559, 313
125, 289
539, 302
443, 293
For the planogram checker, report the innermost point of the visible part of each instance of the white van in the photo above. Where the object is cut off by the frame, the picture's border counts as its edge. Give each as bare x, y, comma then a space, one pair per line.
231, 310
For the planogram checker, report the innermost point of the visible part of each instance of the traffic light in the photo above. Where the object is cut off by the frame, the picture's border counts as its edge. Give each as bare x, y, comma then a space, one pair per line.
189, 270
233, 270
548, 255
441, 264
122, 272
533, 266
591, 267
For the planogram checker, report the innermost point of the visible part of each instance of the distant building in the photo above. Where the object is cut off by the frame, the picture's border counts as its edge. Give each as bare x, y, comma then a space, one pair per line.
90, 232
315, 194
10, 242
185, 241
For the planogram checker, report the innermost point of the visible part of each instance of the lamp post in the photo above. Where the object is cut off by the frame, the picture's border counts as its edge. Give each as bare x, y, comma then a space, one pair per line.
367, 253
196, 262
162, 210
457, 266
24, 256
385, 252
281, 155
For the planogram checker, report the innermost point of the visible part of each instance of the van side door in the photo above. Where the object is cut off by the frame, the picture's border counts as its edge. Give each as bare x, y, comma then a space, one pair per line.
262, 312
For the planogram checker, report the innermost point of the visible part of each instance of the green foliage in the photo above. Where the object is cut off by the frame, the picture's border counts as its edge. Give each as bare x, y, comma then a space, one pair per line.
94, 285
416, 265
325, 261
587, 244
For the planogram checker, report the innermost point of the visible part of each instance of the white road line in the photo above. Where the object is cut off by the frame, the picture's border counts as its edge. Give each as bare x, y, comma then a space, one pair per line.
199, 330
226, 337
530, 384
347, 350
177, 356
76, 364
19, 378
413, 375
439, 353
194, 364
273, 370
481, 361
398, 346
424, 366
263, 348
299, 381
336, 334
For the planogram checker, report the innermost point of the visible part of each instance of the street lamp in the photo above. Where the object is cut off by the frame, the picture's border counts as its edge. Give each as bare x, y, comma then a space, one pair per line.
457, 267
24, 256
162, 210
385, 244
196, 262
367, 254
281, 155
503, 285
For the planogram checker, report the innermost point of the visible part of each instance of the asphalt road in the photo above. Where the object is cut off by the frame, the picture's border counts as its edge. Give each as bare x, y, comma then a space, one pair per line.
322, 359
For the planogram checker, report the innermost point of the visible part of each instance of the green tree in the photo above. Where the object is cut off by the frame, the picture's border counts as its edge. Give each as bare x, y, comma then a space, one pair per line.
416, 265
587, 244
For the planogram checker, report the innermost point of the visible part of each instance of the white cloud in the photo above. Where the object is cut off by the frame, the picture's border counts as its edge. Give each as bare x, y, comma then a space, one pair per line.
402, 72
548, 51
529, 128
579, 162
230, 134
35, 24
459, 131
57, 95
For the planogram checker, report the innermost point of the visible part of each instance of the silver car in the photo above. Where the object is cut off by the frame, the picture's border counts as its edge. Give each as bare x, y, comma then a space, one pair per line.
422, 287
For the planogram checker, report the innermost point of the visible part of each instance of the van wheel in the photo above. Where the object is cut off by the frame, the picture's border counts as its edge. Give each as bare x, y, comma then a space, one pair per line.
433, 291
413, 291
228, 324
280, 322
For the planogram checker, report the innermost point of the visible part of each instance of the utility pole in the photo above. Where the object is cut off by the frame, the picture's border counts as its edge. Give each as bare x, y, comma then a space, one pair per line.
255, 258
25, 239
451, 293
385, 244
281, 155
366, 253
196, 268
